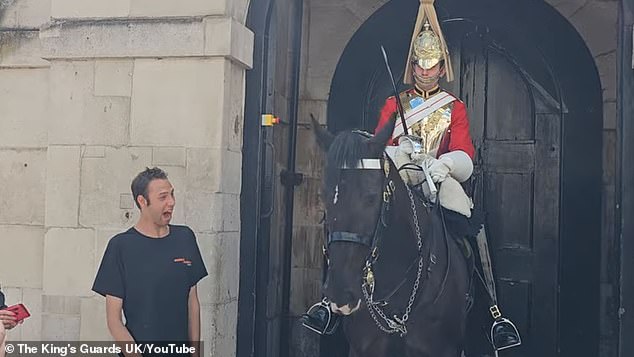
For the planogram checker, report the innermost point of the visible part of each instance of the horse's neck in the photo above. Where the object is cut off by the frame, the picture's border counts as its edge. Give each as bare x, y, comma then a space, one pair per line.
398, 247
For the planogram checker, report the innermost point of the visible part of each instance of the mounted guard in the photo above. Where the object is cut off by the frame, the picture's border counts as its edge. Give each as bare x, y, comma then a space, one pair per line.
432, 148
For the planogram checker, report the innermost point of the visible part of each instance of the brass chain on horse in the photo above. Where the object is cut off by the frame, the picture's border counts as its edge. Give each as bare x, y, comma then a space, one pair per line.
396, 324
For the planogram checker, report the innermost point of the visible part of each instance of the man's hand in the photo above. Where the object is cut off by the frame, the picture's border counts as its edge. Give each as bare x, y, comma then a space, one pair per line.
440, 168
8, 319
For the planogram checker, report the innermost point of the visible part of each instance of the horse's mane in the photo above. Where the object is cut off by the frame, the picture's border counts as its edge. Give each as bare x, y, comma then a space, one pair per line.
345, 151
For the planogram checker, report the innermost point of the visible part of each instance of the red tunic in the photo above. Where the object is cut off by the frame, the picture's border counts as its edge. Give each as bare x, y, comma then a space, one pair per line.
457, 136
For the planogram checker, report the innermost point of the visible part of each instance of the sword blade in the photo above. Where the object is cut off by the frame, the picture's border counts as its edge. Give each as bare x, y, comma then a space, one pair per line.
399, 105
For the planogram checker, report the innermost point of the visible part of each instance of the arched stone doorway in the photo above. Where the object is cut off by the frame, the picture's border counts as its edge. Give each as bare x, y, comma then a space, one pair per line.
534, 99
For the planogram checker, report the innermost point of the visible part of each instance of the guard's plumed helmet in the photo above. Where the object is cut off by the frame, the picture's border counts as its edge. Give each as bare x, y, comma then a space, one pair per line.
427, 49
428, 46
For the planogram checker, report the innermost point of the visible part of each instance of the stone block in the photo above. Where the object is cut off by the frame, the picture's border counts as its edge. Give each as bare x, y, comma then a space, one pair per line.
310, 157
29, 241
609, 157
318, 109
238, 9
609, 115
78, 117
362, 10
221, 253
214, 170
158, 8
126, 201
113, 78
231, 173
93, 152
65, 9
233, 117
600, 39
203, 211
68, 261
307, 246
204, 169
25, 14
308, 207
306, 288
60, 327
318, 86
63, 305
23, 177
566, 7
124, 38
169, 156
606, 65
21, 49
62, 186
32, 329
227, 37
23, 99
218, 328
330, 30
177, 102
93, 326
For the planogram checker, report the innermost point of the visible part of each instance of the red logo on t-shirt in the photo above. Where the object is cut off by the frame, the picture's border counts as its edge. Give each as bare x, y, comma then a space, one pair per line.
184, 261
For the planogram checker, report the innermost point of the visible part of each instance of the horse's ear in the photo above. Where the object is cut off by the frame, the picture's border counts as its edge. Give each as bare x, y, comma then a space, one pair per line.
379, 141
323, 136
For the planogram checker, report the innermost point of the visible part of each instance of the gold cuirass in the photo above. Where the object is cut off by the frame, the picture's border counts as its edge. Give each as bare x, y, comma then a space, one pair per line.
430, 128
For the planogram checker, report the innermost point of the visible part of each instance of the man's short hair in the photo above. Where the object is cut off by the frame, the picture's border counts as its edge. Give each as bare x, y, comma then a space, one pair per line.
142, 181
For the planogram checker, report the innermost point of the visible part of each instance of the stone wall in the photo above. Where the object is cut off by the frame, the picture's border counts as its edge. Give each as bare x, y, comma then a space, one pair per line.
91, 93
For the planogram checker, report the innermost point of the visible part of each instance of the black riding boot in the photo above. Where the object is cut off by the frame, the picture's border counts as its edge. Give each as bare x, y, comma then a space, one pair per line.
320, 319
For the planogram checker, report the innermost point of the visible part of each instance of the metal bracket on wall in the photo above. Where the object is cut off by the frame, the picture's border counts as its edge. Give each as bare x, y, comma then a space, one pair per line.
291, 178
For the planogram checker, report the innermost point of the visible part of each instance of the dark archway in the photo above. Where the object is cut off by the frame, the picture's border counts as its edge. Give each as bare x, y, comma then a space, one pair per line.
534, 100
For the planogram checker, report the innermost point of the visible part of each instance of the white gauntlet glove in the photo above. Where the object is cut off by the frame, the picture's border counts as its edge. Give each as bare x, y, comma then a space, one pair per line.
455, 163
439, 169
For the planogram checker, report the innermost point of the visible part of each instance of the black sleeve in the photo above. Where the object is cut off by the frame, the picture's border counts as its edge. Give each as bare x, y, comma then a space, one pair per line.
109, 279
198, 265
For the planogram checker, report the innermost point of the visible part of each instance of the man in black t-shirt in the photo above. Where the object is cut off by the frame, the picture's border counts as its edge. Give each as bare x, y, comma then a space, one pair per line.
151, 270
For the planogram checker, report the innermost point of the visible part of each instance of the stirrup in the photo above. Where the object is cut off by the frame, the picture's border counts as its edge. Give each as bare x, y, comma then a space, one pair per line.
504, 334
320, 319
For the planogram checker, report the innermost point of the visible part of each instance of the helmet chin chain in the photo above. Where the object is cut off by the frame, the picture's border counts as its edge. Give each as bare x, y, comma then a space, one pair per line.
429, 82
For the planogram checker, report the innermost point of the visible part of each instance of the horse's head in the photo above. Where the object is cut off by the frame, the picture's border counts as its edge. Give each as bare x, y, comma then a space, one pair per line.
353, 194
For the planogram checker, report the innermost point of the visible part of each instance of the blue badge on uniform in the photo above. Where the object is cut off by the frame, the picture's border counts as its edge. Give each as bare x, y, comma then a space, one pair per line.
416, 101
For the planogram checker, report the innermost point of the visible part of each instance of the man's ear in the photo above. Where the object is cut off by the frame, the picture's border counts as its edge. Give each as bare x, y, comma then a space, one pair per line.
324, 137
380, 139
141, 201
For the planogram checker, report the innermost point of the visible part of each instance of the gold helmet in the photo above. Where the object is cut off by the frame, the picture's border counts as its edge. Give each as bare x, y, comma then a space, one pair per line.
427, 47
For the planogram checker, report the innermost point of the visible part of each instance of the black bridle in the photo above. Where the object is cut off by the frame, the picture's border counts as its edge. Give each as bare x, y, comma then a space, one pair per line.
382, 222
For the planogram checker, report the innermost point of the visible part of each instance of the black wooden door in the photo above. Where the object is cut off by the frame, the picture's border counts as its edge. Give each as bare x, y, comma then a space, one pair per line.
516, 125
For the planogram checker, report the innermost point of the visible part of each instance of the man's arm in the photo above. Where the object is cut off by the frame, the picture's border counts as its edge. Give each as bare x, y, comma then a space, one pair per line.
114, 307
3, 336
194, 319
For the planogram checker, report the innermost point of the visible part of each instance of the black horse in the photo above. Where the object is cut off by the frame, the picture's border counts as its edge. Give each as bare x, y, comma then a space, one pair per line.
393, 268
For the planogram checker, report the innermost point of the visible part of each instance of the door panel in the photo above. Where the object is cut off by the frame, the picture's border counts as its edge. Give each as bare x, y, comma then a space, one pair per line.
517, 176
